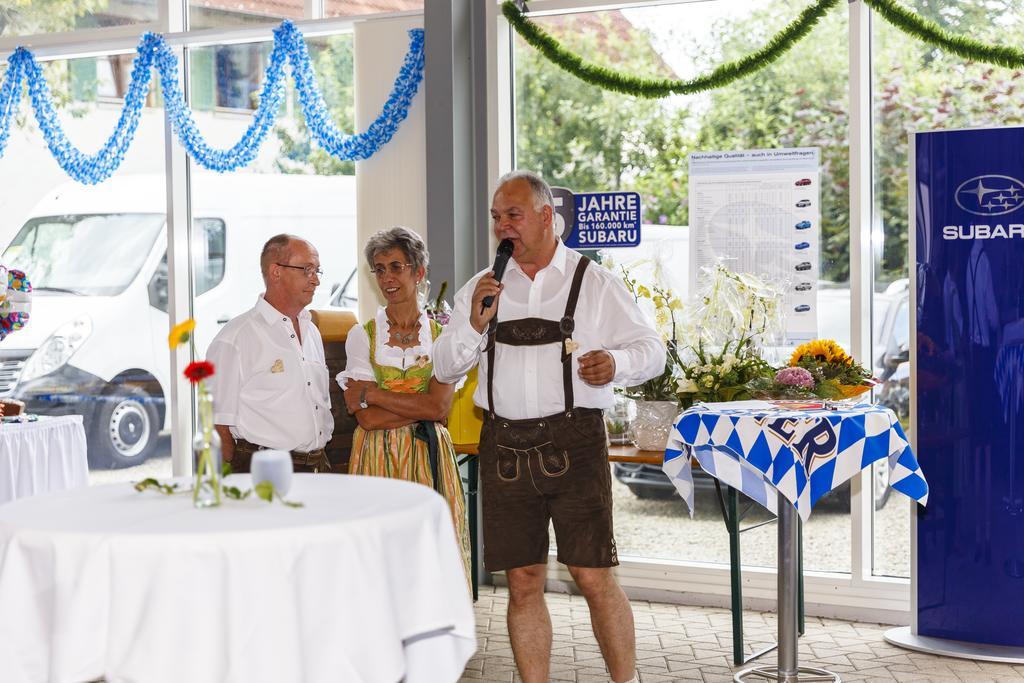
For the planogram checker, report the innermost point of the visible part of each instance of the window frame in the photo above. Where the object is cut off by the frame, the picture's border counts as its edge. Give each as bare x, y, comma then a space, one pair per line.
860, 594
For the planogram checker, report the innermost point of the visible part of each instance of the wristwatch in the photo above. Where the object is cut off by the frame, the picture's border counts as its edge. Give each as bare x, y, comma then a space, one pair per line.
362, 398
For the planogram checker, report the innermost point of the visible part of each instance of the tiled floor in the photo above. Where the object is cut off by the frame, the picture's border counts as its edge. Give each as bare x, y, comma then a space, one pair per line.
680, 643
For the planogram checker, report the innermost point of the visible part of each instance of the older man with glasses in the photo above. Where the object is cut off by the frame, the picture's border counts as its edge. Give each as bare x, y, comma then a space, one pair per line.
270, 388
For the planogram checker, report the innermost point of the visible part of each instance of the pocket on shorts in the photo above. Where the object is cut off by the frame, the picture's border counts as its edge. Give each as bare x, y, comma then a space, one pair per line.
586, 428
554, 462
507, 463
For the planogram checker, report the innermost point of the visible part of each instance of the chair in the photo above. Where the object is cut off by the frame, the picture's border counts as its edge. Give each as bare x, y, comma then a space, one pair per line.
334, 327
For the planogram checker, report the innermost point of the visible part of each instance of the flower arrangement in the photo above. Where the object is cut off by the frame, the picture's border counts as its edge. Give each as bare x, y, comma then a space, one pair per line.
722, 375
208, 487
666, 306
836, 374
736, 314
819, 368
206, 490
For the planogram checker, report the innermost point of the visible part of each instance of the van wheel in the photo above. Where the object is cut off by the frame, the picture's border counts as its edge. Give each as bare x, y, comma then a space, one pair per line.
126, 431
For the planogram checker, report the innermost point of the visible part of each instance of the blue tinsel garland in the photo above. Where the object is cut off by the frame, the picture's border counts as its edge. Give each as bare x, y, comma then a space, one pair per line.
153, 51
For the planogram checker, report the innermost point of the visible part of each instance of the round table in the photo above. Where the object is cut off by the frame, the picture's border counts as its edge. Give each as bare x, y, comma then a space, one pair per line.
363, 583
46, 455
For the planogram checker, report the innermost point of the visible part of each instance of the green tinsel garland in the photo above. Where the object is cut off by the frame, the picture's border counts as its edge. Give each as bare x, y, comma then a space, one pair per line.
608, 79
900, 17
930, 32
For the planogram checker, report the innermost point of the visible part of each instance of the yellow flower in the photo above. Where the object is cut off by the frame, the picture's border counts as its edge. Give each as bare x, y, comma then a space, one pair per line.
181, 333
643, 291
823, 350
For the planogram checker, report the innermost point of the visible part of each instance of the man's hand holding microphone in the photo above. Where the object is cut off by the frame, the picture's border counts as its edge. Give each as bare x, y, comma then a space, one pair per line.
596, 368
489, 287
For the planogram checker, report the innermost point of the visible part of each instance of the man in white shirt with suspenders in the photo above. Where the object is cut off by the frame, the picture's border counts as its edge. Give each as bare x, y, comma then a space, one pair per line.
558, 335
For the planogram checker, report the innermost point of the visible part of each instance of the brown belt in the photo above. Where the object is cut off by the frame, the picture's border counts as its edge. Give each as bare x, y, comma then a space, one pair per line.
315, 459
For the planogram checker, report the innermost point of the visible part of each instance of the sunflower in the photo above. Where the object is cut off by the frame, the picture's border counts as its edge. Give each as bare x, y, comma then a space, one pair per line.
181, 333
822, 350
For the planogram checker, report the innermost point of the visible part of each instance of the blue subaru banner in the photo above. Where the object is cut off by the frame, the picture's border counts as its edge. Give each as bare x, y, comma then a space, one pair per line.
597, 220
968, 362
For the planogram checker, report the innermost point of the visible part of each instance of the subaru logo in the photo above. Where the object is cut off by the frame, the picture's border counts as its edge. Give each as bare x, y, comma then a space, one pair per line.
990, 195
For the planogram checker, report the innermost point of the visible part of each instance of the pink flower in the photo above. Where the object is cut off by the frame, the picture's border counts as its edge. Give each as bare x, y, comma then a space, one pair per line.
797, 377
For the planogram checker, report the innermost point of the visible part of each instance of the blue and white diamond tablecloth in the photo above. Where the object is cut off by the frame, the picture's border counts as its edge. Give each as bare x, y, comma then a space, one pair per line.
802, 454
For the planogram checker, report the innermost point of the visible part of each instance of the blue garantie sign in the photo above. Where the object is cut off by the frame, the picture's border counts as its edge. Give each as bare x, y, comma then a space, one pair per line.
597, 220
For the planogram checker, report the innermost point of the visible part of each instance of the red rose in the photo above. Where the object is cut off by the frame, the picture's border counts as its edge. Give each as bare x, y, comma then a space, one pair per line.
198, 371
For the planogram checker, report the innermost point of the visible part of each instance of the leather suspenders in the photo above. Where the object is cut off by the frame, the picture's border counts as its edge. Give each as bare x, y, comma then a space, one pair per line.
537, 331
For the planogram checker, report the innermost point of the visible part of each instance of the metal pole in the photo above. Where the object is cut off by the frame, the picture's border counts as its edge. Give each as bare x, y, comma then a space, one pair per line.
735, 576
788, 666
787, 669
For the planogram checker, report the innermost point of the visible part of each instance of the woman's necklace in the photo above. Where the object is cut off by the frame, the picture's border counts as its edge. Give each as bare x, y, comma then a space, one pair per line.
400, 337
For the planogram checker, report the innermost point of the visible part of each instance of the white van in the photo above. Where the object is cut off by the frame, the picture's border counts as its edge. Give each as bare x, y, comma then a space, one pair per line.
96, 342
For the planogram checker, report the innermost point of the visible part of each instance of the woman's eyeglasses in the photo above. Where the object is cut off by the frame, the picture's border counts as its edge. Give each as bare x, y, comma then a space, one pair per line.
309, 271
395, 268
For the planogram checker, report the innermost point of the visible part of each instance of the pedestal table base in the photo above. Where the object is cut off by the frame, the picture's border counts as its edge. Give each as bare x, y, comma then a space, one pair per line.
787, 670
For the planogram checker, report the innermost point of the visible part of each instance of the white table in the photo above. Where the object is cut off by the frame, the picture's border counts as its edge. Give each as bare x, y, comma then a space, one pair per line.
36, 457
365, 583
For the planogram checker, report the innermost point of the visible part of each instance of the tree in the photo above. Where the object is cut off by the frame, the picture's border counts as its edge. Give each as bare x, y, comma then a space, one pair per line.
26, 17
585, 138
800, 101
921, 89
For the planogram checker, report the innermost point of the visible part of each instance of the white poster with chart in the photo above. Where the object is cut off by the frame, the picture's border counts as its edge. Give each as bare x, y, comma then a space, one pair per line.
759, 212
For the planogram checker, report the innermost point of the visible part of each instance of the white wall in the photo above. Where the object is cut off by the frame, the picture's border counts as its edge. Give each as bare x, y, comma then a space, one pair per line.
390, 186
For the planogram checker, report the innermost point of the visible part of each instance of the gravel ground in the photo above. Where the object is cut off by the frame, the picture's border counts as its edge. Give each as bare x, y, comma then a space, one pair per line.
158, 466
662, 529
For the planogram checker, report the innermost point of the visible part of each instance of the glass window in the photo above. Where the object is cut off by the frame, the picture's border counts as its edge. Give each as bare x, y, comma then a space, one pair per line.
346, 8
239, 74
208, 253
54, 16
920, 88
588, 139
221, 13
90, 255
94, 345
292, 187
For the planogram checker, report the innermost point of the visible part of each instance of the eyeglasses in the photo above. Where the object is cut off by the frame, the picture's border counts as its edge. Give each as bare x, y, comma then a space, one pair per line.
309, 271
395, 268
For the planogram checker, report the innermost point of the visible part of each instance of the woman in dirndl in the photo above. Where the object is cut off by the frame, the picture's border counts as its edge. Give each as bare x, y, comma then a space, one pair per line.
389, 384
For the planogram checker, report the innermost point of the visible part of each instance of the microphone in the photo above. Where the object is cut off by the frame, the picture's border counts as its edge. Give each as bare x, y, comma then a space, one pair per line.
504, 253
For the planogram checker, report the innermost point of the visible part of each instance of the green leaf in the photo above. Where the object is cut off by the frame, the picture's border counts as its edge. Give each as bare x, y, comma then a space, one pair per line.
151, 483
236, 493
265, 490
225, 469
292, 503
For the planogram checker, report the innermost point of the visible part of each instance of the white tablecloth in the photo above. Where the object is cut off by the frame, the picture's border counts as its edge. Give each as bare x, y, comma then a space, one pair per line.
365, 583
36, 457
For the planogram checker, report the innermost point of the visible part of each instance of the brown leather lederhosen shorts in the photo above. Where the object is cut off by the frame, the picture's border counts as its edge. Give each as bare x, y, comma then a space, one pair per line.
553, 468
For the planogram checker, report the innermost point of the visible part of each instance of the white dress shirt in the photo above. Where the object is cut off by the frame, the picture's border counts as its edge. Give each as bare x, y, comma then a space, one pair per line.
269, 388
528, 379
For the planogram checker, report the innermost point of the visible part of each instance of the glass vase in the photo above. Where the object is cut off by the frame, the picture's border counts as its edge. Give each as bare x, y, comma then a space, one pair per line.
618, 420
206, 452
653, 422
